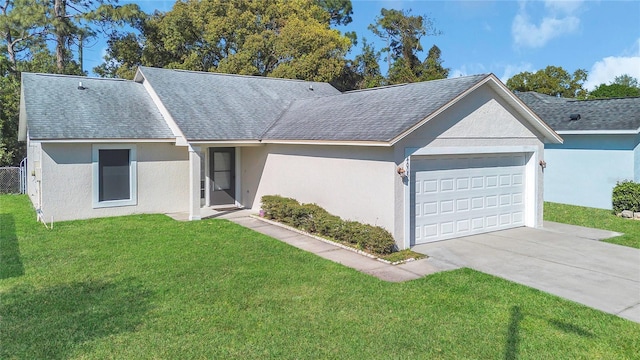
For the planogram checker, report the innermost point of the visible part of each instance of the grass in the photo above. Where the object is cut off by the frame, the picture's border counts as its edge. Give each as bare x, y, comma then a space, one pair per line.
148, 287
402, 255
595, 218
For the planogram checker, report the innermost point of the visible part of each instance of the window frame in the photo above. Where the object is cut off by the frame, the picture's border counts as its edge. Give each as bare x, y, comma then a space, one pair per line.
133, 175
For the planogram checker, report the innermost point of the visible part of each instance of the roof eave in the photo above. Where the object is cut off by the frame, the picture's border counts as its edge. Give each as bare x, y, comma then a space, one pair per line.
22, 117
328, 142
599, 132
102, 140
213, 143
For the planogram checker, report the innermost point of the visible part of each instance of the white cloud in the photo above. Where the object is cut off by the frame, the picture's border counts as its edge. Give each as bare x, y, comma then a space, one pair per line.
512, 69
507, 70
606, 70
457, 73
563, 6
468, 69
559, 19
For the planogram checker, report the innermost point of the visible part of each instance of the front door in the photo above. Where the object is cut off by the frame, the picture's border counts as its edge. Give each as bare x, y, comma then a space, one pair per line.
223, 175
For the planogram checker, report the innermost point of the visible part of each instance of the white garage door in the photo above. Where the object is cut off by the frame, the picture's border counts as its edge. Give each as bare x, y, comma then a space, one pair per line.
463, 195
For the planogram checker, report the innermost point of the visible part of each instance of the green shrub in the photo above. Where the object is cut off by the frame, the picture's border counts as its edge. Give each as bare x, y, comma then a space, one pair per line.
314, 219
305, 216
279, 208
327, 225
626, 196
377, 241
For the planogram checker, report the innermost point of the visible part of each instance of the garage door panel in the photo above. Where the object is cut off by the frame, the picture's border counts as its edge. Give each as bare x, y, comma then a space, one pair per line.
463, 204
463, 226
459, 196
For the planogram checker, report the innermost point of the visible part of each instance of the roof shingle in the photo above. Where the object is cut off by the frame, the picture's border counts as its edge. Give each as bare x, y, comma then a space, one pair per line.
378, 114
600, 114
106, 109
212, 106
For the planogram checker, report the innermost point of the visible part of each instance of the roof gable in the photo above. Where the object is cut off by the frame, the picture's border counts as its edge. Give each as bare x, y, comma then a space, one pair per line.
378, 114
386, 114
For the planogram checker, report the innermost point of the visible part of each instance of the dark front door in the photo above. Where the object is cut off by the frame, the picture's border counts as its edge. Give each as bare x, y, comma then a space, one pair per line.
223, 175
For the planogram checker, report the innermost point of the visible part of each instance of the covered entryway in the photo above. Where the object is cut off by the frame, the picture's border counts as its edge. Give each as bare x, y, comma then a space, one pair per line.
459, 195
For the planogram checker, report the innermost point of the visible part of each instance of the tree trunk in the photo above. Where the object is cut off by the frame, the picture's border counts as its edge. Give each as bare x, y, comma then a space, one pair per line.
60, 11
11, 51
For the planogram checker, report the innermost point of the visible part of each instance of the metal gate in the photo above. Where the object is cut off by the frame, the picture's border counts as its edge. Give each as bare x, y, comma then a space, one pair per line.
13, 179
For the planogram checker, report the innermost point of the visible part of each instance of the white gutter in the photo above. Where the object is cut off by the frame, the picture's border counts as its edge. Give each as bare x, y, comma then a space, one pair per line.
97, 141
598, 132
214, 143
328, 142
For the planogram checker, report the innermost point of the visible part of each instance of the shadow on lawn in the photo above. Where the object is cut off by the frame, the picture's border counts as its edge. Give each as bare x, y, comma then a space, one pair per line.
513, 334
10, 262
54, 322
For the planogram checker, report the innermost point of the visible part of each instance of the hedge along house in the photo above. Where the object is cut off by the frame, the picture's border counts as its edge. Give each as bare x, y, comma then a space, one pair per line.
601, 147
427, 161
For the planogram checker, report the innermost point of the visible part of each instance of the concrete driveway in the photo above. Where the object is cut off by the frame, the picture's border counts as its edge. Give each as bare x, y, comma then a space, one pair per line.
563, 260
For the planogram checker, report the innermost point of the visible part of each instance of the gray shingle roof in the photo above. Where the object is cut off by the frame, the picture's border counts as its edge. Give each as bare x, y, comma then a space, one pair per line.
379, 114
601, 114
210, 106
106, 109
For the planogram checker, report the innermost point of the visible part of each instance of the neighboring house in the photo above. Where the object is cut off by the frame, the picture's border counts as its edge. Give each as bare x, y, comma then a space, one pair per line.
427, 161
601, 147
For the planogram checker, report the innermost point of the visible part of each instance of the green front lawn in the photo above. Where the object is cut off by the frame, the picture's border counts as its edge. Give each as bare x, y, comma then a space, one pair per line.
142, 287
595, 218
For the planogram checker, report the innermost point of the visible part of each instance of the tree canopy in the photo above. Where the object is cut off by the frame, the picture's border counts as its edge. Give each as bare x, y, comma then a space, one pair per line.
552, 80
30, 28
283, 38
622, 86
46, 36
403, 32
280, 38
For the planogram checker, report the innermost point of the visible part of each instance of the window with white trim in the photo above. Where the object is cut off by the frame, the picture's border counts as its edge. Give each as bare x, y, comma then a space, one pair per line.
114, 175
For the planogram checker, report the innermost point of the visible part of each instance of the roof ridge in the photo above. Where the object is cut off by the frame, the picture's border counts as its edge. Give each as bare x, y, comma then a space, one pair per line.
415, 83
76, 76
376, 88
276, 119
601, 99
235, 75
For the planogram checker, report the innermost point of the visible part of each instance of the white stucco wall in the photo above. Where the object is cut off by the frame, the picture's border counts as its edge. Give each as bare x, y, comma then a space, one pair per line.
481, 121
361, 183
636, 160
353, 182
67, 181
34, 156
584, 170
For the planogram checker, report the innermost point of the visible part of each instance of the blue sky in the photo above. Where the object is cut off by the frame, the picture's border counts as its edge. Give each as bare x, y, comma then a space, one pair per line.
505, 37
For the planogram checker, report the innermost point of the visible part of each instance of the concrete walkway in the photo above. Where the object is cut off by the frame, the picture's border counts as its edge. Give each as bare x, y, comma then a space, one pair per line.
563, 260
395, 273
